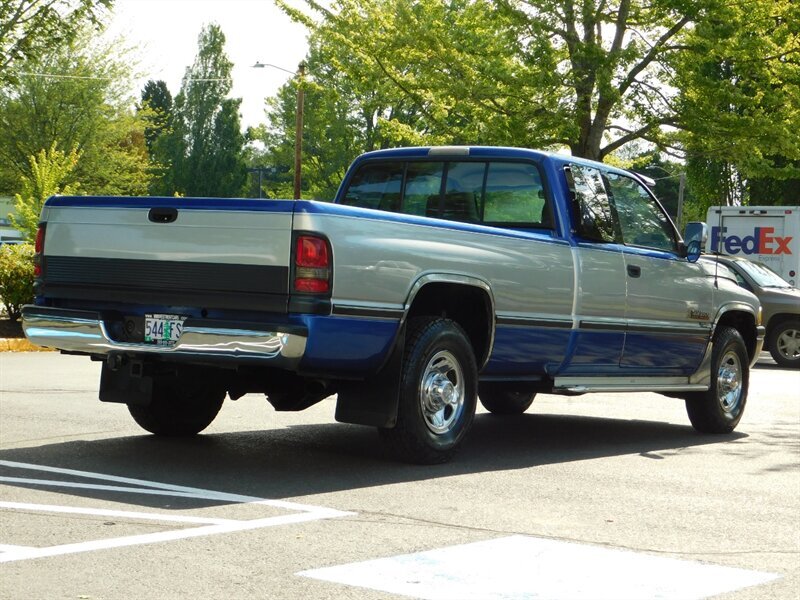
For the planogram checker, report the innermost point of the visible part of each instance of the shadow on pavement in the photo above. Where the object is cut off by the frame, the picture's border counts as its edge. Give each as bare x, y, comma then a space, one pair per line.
316, 459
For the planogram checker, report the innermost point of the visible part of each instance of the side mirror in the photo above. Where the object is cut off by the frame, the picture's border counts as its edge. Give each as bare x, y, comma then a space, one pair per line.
695, 237
693, 251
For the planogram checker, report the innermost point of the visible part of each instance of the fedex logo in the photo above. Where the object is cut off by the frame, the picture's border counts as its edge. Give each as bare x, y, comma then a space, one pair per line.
761, 242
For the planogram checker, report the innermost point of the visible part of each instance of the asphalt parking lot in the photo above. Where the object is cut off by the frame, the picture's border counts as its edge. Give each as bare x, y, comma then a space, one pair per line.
604, 496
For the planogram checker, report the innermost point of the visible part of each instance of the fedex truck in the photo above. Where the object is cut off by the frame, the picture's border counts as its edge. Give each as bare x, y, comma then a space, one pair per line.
768, 234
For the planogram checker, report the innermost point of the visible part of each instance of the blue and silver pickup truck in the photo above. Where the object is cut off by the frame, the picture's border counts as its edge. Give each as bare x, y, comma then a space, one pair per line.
437, 276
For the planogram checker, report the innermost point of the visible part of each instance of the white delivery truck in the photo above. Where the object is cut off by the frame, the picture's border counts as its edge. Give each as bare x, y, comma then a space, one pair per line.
768, 234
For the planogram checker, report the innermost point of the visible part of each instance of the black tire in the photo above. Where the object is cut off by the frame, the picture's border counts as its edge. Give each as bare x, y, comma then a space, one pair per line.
784, 344
501, 400
438, 393
720, 409
180, 407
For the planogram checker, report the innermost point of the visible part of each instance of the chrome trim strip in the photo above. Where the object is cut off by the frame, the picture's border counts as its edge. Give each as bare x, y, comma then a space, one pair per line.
516, 321
88, 334
367, 312
627, 384
463, 280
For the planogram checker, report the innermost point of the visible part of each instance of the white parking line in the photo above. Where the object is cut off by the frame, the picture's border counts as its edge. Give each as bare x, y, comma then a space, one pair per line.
119, 514
9, 553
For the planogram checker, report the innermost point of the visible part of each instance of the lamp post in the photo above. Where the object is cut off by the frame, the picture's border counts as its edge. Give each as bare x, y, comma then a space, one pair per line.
298, 125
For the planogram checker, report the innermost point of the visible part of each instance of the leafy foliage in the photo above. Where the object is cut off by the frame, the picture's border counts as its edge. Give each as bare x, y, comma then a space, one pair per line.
157, 106
533, 73
16, 277
739, 104
29, 29
714, 81
49, 170
78, 98
203, 150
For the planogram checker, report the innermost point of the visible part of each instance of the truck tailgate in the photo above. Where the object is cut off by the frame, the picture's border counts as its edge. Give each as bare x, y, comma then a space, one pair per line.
211, 253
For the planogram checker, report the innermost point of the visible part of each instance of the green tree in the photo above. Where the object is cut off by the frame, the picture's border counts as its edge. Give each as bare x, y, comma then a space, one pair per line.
203, 152
156, 105
588, 75
30, 29
585, 75
16, 278
77, 96
739, 104
51, 169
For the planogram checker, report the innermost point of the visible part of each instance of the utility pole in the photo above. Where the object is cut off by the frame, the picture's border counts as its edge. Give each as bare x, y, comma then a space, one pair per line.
681, 190
298, 130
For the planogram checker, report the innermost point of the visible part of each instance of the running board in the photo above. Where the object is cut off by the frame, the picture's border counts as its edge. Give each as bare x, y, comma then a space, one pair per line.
579, 385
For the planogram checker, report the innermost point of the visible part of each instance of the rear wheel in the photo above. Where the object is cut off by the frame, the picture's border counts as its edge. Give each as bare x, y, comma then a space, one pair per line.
180, 407
784, 344
501, 400
720, 409
438, 393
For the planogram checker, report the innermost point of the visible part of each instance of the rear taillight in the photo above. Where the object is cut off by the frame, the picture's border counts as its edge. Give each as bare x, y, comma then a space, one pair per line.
312, 262
39, 249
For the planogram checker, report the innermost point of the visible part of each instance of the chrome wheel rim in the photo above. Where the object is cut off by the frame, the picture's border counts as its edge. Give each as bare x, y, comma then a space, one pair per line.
788, 344
441, 392
729, 382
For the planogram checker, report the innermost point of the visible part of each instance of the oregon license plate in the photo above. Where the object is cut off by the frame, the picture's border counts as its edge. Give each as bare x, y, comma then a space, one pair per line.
163, 330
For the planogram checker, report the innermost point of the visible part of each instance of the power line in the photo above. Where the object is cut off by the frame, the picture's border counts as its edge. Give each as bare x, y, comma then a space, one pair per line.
58, 76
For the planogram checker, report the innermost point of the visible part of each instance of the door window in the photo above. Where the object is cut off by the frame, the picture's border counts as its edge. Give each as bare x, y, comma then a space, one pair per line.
641, 219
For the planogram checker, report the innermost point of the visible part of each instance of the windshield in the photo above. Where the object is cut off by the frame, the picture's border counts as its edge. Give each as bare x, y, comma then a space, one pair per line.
762, 274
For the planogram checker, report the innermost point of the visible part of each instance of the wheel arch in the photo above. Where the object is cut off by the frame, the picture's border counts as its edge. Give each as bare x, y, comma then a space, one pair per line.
466, 300
742, 318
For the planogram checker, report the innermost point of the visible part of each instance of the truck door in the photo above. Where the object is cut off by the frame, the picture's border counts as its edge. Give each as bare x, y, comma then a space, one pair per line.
598, 257
669, 305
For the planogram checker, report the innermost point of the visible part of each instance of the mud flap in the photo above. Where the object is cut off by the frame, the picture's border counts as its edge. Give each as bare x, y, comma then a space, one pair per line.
374, 401
126, 383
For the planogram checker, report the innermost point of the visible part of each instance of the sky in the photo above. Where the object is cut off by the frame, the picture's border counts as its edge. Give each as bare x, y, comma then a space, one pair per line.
166, 31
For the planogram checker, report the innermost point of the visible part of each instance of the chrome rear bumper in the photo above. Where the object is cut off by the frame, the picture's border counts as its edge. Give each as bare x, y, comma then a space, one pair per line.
85, 332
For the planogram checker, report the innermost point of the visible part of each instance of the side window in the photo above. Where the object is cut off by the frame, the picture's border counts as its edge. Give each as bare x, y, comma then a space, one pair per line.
641, 220
377, 186
423, 188
515, 195
593, 213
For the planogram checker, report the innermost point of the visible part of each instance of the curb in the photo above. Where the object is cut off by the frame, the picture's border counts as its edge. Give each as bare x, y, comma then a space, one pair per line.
21, 345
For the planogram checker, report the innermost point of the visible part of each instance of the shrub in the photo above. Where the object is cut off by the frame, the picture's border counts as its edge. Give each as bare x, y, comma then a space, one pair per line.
16, 277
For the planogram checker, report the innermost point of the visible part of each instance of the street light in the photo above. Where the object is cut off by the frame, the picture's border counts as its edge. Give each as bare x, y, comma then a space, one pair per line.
298, 125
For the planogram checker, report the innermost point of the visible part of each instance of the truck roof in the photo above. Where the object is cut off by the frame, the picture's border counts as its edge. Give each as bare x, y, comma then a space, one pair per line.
488, 152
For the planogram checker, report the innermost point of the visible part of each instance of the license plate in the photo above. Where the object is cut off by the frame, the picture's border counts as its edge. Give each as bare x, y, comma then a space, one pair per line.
163, 330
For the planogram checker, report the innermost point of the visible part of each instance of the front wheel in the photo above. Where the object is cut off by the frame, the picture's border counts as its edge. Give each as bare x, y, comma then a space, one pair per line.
720, 409
180, 407
784, 344
438, 393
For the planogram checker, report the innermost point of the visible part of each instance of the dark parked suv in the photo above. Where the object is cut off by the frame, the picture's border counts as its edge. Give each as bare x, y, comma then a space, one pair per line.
780, 301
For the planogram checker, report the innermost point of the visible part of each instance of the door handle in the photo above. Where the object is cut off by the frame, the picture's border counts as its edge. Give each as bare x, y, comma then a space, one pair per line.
634, 270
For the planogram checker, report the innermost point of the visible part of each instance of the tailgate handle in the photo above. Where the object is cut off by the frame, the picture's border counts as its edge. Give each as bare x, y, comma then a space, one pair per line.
163, 215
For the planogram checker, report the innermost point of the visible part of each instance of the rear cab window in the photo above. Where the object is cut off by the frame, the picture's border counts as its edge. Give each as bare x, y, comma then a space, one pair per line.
499, 193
